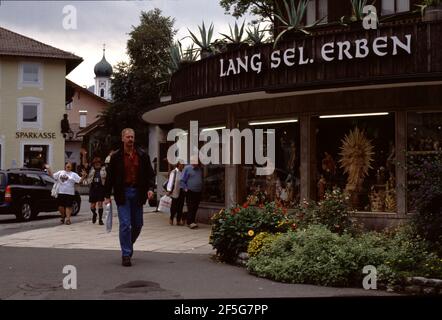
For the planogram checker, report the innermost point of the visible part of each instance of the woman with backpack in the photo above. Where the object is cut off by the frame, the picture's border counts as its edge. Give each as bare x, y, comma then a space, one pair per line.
96, 180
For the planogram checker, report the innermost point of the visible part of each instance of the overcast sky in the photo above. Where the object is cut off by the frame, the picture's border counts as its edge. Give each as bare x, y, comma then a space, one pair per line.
101, 22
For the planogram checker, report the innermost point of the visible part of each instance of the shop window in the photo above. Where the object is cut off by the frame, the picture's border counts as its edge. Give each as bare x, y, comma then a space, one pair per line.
316, 10
29, 113
35, 156
424, 145
357, 155
395, 6
283, 185
213, 174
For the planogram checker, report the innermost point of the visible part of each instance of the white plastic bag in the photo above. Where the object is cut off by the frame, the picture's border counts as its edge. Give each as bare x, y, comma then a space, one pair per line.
165, 203
54, 191
108, 216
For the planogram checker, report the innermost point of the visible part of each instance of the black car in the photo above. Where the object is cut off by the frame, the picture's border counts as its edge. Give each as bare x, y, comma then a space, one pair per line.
27, 192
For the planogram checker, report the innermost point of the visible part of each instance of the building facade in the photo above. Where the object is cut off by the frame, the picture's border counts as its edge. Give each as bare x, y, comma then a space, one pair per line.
83, 109
348, 107
32, 100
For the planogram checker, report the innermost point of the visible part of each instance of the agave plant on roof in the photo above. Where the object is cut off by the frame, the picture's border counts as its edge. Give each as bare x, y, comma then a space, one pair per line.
236, 34
292, 18
256, 35
204, 41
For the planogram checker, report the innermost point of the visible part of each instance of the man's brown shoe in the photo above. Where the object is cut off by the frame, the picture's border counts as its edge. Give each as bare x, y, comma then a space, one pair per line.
126, 262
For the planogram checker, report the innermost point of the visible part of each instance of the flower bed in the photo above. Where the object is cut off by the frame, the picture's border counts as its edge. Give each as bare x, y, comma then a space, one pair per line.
319, 244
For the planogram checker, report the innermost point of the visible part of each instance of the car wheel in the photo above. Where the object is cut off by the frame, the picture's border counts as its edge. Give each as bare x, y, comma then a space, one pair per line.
24, 211
76, 207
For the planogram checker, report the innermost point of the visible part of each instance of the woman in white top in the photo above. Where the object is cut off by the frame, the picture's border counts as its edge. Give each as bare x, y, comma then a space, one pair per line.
66, 190
177, 195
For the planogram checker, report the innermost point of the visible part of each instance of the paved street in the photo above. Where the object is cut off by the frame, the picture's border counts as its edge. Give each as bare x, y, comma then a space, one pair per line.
170, 262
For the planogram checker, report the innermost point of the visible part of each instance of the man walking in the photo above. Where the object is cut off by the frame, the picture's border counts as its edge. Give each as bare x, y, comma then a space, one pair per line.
132, 179
192, 183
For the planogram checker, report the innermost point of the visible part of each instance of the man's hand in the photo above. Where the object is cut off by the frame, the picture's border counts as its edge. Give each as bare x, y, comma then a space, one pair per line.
150, 195
106, 201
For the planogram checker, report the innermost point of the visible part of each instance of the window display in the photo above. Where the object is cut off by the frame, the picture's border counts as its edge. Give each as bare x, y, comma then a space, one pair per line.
357, 155
283, 186
424, 144
213, 180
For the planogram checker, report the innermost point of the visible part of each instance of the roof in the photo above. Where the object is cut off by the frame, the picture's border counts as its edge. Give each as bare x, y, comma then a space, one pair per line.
86, 91
14, 44
90, 128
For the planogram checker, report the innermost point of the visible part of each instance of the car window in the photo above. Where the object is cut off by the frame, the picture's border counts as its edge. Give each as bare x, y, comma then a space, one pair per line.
48, 180
15, 178
32, 179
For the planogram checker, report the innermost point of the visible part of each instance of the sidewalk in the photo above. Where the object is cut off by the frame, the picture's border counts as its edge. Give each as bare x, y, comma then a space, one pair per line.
157, 236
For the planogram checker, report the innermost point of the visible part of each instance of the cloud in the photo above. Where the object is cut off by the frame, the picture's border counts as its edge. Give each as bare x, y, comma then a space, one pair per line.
103, 22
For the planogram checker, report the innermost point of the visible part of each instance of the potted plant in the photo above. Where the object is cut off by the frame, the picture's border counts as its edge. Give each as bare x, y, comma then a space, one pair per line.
431, 10
204, 42
292, 18
236, 38
255, 35
357, 8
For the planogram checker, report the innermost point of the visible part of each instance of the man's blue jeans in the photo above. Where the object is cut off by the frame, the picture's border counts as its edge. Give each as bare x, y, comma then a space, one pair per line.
131, 221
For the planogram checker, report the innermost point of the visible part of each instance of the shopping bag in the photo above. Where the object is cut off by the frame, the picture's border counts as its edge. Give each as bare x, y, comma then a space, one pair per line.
108, 216
54, 191
165, 203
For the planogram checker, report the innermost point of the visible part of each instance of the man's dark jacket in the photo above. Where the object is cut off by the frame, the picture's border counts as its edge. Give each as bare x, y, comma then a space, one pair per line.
115, 177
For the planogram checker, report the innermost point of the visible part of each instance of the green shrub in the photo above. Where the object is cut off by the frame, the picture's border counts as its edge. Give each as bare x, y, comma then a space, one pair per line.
317, 256
233, 229
427, 197
408, 254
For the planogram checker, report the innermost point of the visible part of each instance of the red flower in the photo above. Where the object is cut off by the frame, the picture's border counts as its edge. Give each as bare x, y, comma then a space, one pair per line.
261, 205
294, 226
245, 205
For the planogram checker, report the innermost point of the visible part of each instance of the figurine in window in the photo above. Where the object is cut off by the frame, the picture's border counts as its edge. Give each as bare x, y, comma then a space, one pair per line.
322, 184
328, 165
292, 159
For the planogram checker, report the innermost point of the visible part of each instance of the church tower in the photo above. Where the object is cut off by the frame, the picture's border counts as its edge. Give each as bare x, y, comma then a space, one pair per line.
103, 72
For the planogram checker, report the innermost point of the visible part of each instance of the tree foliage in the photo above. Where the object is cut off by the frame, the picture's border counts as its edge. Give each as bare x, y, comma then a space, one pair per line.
136, 84
263, 9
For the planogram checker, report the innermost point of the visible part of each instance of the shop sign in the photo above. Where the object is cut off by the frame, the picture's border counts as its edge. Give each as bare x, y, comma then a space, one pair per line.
35, 135
331, 51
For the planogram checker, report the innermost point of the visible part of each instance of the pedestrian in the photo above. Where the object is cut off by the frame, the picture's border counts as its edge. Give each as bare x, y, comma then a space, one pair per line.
192, 184
176, 193
66, 191
96, 181
131, 178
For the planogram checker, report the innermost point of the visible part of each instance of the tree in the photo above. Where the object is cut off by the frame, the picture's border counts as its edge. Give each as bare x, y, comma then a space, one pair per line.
135, 85
262, 8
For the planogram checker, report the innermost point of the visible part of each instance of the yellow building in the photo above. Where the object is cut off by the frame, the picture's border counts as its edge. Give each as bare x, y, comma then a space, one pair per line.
32, 101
